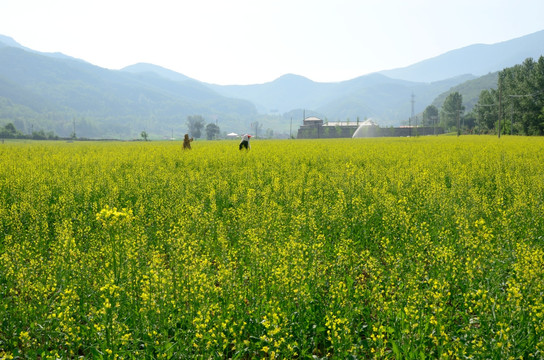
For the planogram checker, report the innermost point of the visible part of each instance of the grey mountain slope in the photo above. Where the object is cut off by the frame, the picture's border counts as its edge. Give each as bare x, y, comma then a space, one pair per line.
476, 59
281, 95
6, 41
159, 70
375, 95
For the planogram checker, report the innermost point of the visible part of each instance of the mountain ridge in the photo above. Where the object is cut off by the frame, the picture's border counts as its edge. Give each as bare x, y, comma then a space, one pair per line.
476, 59
159, 70
53, 89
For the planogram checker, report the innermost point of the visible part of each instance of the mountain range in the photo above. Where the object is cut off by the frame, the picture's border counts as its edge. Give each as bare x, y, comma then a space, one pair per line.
55, 92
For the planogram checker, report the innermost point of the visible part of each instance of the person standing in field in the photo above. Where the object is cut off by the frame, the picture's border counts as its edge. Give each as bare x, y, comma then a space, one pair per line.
245, 142
187, 142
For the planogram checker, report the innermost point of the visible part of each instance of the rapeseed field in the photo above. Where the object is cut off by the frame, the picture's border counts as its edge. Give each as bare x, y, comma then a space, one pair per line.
302, 249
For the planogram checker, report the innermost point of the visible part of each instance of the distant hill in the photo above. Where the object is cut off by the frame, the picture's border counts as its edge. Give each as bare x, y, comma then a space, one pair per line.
386, 96
6, 41
52, 91
476, 59
386, 100
281, 95
470, 90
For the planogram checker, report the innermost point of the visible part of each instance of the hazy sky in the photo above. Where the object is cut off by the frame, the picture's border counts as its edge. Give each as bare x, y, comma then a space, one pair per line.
253, 41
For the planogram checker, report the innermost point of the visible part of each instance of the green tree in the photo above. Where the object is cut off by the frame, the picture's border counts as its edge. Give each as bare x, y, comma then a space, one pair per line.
39, 135
487, 109
521, 96
10, 128
212, 131
452, 110
9, 131
430, 115
143, 134
195, 124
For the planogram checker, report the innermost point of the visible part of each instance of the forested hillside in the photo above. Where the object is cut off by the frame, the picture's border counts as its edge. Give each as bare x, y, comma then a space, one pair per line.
470, 90
516, 106
39, 91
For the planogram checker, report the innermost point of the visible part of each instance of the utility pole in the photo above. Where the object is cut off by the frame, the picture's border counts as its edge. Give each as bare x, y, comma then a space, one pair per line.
458, 124
511, 121
291, 128
500, 105
433, 118
412, 115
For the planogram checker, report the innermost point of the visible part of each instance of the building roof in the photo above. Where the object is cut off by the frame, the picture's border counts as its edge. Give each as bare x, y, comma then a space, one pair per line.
342, 123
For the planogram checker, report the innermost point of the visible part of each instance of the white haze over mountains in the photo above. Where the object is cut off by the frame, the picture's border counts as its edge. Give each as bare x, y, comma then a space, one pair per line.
251, 42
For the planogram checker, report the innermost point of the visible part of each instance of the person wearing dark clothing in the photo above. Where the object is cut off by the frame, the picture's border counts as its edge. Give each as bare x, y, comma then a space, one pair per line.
244, 144
187, 142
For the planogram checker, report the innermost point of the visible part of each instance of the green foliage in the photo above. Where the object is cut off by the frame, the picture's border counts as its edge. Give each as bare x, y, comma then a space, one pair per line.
522, 94
195, 124
452, 111
10, 132
144, 135
212, 131
487, 110
42, 135
518, 101
430, 115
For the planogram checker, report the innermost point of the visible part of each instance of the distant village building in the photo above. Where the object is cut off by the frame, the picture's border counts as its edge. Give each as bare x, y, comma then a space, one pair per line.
314, 128
232, 135
313, 121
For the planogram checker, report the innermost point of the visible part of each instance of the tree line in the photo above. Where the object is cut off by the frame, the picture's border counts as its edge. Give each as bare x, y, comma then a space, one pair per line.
9, 131
515, 107
195, 124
